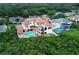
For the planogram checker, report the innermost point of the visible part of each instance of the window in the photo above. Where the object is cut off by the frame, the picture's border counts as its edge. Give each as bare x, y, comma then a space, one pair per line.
37, 23
49, 28
45, 32
31, 26
23, 30
45, 28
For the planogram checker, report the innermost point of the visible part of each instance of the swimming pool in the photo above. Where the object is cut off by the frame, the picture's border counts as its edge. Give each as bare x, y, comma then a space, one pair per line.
58, 30
30, 34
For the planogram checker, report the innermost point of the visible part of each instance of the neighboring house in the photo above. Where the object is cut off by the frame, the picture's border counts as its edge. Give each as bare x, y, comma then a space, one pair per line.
66, 13
46, 17
74, 18
69, 13
62, 23
14, 19
36, 24
3, 28
57, 13
75, 11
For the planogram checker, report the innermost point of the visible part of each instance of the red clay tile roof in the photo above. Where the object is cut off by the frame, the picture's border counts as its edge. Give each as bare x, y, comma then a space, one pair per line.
38, 20
20, 30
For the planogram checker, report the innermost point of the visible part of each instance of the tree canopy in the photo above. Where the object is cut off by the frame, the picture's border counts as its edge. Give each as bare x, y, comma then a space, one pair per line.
34, 9
66, 43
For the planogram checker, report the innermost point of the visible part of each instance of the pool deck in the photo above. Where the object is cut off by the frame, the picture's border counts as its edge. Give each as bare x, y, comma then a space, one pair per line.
24, 36
37, 34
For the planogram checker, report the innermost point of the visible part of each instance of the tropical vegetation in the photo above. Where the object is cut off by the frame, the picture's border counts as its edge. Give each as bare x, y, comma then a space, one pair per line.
66, 43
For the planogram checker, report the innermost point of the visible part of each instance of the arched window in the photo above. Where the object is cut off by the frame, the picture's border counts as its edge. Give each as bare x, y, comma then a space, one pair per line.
23, 30
45, 32
45, 28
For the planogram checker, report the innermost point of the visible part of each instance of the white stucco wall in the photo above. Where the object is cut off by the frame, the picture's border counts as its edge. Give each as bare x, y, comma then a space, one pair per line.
49, 31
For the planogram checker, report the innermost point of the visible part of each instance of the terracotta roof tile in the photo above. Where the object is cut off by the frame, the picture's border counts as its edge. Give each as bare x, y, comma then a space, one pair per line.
38, 20
20, 29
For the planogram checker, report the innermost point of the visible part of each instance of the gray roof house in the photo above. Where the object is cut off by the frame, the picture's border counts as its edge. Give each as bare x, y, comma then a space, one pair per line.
57, 13
61, 22
13, 19
3, 28
69, 13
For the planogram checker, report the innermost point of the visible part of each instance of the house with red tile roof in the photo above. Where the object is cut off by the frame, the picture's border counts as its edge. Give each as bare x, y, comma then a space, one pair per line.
36, 24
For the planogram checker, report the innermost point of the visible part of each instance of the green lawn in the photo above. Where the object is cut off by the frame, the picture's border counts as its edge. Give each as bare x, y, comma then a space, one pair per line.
72, 32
